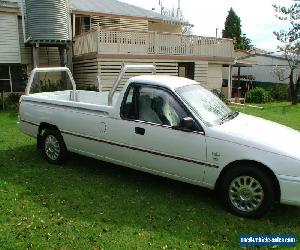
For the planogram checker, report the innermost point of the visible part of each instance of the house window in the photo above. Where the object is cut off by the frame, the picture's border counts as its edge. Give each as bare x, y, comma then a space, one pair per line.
13, 77
82, 24
5, 83
19, 77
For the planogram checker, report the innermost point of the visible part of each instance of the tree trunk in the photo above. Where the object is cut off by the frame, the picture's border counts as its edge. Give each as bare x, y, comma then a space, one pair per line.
292, 88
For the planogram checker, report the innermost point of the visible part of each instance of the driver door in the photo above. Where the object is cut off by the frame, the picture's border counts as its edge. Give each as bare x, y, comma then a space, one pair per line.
153, 117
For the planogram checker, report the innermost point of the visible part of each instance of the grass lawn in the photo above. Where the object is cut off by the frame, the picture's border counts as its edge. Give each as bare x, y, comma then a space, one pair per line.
281, 112
88, 204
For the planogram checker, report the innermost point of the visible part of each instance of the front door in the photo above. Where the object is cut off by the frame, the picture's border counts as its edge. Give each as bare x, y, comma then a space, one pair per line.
153, 116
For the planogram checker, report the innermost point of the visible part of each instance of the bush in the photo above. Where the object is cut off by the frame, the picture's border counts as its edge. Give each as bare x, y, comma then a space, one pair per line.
258, 95
47, 87
11, 101
88, 88
220, 94
1, 102
280, 92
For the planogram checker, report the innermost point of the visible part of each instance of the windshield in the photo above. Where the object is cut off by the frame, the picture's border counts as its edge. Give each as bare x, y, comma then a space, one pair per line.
205, 104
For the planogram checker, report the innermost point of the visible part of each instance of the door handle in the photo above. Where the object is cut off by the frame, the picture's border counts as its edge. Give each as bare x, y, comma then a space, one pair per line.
140, 131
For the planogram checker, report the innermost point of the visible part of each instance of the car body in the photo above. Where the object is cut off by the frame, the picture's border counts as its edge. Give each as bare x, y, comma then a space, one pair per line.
166, 126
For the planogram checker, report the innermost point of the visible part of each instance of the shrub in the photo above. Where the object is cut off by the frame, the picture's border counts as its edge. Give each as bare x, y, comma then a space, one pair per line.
88, 88
1, 102
47, 87
220, 94
11, 101
258, 95
280, 92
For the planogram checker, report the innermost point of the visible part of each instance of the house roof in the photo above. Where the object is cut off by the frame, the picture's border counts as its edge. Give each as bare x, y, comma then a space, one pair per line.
114, 7
280, 57
242, 54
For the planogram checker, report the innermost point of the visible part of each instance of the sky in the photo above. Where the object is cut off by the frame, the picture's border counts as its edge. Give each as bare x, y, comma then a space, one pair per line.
257, 17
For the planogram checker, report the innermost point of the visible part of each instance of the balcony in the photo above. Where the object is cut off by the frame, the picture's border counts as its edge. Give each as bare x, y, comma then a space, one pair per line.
105, 41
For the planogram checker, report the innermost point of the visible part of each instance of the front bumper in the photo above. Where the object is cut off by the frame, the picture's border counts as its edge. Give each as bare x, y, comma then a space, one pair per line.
290, 190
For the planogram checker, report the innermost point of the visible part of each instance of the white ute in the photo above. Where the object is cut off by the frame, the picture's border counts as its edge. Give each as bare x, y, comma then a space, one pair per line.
172, 127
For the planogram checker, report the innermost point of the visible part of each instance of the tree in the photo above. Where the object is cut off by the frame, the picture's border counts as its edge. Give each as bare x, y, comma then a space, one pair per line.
233, 30
245, 43
290, 39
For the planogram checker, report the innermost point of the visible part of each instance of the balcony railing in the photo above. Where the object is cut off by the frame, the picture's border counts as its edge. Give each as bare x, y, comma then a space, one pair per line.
104, 41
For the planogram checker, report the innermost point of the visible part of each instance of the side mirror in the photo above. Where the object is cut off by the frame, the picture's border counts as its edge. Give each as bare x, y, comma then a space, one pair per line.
188, 124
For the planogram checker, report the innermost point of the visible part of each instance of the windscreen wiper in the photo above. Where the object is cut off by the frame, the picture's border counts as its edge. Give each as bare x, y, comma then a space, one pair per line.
229, 116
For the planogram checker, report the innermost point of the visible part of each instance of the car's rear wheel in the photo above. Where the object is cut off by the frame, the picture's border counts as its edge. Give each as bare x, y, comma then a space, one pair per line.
247, 191
53, 147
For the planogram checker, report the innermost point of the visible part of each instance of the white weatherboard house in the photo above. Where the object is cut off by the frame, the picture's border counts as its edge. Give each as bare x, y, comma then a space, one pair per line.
109, 33
106, 34
10, 58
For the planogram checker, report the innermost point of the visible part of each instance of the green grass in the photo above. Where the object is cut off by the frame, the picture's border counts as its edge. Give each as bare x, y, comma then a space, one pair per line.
88, 204
281, 112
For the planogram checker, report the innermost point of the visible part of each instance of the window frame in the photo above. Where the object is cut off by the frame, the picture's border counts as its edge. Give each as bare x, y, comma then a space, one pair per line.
137, 86
134, 100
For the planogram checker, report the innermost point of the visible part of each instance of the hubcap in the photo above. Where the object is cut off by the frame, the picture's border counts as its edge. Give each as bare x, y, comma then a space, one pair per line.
246, 193
52, 147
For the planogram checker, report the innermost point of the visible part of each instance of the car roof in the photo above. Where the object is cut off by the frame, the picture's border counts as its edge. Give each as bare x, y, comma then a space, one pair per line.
170, 82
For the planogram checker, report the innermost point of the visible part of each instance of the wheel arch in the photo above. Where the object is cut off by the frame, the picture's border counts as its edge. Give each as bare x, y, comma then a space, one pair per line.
255, 164
42, 127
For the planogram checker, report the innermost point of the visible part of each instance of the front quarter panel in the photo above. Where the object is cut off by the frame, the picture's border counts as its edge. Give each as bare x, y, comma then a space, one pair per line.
224, 149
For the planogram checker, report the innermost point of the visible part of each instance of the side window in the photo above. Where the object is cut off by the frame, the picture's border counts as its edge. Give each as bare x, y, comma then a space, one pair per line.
128, 107
159, 107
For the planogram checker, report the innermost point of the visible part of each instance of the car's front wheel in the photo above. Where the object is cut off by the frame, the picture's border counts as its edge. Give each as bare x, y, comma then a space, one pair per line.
53, 147
247, 191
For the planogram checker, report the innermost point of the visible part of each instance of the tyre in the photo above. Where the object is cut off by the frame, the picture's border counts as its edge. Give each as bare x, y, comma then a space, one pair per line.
247, 191
53, 147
